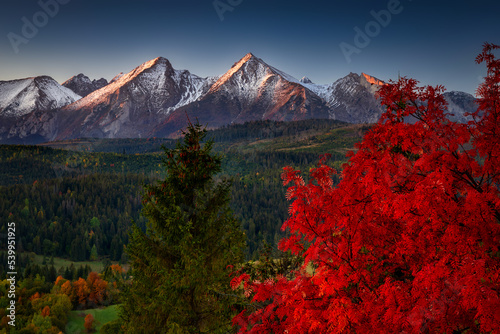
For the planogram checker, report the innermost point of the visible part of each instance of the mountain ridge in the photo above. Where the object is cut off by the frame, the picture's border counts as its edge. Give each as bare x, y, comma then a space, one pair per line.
154, 99
22, 96
82, 85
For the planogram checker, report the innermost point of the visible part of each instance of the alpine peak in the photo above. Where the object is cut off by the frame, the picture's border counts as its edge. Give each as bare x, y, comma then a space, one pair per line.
154, 98
22, 96
82, 85
157, 61
306, 80
249, 55
372, 80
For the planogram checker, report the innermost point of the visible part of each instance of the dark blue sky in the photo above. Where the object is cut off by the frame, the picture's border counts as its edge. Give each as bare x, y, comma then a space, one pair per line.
434, 42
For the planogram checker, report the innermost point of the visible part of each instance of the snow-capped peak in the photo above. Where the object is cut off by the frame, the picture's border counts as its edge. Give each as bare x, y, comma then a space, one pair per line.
80, 78
156, 83
248, 74
20, 97
306, 80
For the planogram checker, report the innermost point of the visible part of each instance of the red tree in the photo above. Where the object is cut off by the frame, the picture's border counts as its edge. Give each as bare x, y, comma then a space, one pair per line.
97, 289
89, 323
46, 311
409, 241
82, 291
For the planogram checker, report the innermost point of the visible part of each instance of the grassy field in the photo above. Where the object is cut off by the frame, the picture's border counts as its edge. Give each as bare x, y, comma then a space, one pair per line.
97, 266
101, 316
339, 140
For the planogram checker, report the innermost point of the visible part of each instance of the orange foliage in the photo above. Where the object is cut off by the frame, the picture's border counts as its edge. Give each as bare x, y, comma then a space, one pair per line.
35, 296
58, 280
46, 311
97, 288
89, 322
82, 290
87, 293
116, 269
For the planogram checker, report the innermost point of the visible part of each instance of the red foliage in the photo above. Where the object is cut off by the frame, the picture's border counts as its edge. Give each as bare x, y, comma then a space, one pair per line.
409, 241
82, 291
46, 311
116, 269
97, 289
59, 279
89, 323
35, 296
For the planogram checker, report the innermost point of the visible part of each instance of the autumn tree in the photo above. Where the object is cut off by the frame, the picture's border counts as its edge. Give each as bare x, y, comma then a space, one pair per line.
82, 291
89, 323
98, 293
181, 264
45, 311
409, 240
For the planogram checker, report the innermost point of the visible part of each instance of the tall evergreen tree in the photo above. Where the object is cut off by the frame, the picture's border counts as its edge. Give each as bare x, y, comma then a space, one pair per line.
181, 266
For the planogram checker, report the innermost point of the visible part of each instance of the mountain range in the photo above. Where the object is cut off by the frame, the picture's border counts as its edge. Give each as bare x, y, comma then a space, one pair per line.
156, 100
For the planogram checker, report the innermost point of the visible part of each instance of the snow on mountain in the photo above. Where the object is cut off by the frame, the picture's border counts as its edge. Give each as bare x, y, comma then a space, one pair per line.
459, 105
324, 91
349, 84
248, 75
154, 100
154, 83
82, 85
195, 87
132, 103
305, 80
252, 90
20, 97
352, 98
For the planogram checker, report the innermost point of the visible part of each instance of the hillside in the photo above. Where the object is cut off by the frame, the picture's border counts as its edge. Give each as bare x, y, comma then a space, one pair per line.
56, 193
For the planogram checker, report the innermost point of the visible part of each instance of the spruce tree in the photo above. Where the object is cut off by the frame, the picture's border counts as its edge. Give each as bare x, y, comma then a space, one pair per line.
181, 265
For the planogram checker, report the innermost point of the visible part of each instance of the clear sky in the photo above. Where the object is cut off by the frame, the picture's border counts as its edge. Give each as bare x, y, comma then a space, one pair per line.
434, 42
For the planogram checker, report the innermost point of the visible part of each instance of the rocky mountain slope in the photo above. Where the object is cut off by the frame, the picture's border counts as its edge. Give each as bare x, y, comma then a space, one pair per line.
458, 104
250, 90
155, 99
20, 97
132, 104
25, 108
82, 85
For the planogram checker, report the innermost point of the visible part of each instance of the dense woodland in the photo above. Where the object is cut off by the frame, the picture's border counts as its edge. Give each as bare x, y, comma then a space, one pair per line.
77, 200
79, 204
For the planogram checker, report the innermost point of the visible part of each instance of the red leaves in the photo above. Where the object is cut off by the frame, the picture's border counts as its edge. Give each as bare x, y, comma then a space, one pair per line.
46, 311
89, 323
409, 241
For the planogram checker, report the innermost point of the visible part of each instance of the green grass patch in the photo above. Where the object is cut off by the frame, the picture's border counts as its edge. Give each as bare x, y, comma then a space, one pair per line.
338, 140
97, 266
101, 316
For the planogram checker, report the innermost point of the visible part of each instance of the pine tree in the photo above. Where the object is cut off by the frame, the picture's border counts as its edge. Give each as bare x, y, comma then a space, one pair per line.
182, 264
93, 253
